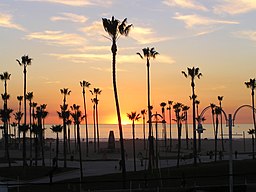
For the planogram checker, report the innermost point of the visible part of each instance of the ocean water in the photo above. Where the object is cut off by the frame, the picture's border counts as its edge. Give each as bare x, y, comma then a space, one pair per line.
239, 131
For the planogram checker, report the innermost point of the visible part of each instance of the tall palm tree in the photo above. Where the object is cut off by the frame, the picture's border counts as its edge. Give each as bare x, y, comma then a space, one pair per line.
177, 107
143, 113
252, 132
96, 92
170, 121
162, 105
29, 97
84, 85
133, 116
77, 116
185, 112
197, 102
115, 29
25, 61
251, 84
57, 129
217, 114
149, 53
65, 92
213, 106
193, 73
220, 98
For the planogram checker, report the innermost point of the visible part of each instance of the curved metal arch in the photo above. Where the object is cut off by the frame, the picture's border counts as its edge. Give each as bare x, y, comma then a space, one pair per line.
208, 107
238, 109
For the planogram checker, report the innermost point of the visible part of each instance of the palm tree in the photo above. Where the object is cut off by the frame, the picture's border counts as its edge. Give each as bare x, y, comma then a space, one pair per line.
29, 97
69, 122
170, 121
57, 129
217, 113
143, 113
193, 73
65, 92
149, 53
220, 98
197, 102
19, 115
115, 29
252, 132
133, 116
4, 77
25, 61
213, 106
24, 128
185, 112
251, 84
179, 118
96, 92
77, 116
84, 85
163, 104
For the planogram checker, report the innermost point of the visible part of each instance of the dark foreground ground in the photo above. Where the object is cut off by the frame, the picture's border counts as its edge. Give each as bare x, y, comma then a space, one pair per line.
204, 177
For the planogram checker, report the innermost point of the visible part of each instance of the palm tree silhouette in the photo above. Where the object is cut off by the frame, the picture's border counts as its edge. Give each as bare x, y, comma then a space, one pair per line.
29, 97
149, 53
96, 92
185, 112
94, 101
65, 92
5, 77
163, 104
251, 84
25, 61
170, 121
252, 132
193, 73
57, 129
143, 113
220, 98
217, 112
177, 107
18, 116
84, 85
115, 29
77, 116
133, 116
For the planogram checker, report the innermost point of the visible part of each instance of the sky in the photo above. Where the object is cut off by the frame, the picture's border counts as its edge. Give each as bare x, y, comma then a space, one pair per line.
68, 44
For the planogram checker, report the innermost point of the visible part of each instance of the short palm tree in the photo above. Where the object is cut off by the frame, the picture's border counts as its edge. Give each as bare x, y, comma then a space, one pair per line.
193, 73
251, 84
65, 92
84, 85
149, 53
185, 112
77, 116
57, 129
217, 114
29, 97
115, 29
162, 105
177, 107
252, 132
133, 116
143, 113
169, 108
220, 98
96, 92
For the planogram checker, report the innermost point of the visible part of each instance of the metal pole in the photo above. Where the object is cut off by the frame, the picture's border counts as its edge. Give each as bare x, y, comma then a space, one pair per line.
230, 154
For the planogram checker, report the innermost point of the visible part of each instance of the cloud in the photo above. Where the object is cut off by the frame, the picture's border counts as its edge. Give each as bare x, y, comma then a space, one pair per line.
6, 21
188, 4
70, 17
196, 20
57, 38
145, 35
76, 3
233, 7
250, 35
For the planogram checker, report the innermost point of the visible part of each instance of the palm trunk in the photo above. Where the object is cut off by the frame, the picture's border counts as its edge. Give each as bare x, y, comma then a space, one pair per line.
253, 115
150, 138
216, 137
114, 50
94, 129
80, 152
133, 145
86, 126
221, 129
57, 149
186, 128
69, 146
30, 135
64, 135
25, 117
144, 133
97, 126
253, 153
194, 122
179, 142
170, 119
